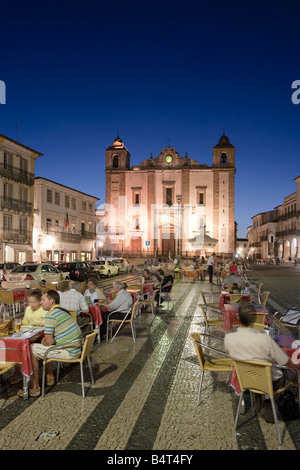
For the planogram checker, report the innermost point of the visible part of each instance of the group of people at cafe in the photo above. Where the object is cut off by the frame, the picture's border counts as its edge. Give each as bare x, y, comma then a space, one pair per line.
50, 310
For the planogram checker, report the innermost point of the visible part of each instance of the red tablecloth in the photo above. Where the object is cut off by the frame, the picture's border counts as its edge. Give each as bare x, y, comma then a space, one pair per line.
95, 311
225, 298
134, 293
18, 350
148, 287
231, 315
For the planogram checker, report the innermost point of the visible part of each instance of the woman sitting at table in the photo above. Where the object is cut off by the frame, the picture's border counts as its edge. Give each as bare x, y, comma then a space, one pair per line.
34, 316
34, 313
93, 292
147, 275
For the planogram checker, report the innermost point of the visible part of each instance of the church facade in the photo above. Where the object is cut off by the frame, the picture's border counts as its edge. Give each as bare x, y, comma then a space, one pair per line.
169, 205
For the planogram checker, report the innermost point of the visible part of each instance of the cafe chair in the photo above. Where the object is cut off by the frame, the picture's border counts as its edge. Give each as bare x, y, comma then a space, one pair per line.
128, 318
51, 285
287, 317
73, 314
87, 343
264, 298
258, 320
166, 297
89, 321
205, 295
235, 298
150, 301
6, 366
256, 377
7, 299
211, 365
213, 309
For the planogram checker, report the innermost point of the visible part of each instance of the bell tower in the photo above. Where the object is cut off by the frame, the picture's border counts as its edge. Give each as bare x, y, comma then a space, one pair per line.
224, 154
117, 156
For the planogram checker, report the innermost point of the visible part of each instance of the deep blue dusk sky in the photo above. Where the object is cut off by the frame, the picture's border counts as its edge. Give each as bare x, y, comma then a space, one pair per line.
77, 73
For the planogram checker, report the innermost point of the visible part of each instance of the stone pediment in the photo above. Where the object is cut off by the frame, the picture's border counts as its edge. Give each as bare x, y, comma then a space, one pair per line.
170, 159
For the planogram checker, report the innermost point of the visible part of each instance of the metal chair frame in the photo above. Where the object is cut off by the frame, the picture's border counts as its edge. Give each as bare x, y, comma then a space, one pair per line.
128, 318
213, 365
262, 384
87, 342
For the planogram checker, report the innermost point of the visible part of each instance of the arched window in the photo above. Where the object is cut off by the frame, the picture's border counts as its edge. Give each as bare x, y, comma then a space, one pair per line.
115, 161
223, 158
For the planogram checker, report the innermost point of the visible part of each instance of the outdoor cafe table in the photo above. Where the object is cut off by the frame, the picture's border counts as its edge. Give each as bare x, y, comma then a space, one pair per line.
231, 315
225, 298
16, 348
133, 292
96, 312
148, 287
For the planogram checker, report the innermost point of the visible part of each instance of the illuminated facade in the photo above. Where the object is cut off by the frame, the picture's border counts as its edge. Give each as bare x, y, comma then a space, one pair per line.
169, 205
16, 200
64, 223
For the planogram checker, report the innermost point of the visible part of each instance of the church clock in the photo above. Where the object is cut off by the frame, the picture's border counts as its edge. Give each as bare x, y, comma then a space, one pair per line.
169, 159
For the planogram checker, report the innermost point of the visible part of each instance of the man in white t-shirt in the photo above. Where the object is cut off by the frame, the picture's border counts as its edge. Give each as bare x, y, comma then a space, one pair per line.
249, 344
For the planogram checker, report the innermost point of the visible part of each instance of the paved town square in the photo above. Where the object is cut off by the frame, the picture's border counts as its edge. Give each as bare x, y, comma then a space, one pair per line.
144, 397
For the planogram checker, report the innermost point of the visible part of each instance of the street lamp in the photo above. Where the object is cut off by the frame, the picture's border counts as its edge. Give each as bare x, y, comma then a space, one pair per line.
178, 199
100, 245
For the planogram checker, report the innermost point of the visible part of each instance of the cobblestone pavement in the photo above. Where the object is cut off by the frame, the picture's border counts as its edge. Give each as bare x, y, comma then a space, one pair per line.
144, 397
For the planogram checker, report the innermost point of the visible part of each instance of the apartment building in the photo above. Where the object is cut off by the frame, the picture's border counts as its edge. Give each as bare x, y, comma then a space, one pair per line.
262, 235
64, 222
17, 163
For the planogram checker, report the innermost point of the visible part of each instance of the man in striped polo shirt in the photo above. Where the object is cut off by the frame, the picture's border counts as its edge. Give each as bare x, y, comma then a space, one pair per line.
59, 328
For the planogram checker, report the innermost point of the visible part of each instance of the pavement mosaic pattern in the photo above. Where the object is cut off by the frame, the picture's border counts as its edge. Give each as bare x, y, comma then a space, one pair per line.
144, 397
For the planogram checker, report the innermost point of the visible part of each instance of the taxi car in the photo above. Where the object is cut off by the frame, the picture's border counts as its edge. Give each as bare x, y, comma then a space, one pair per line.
30, 275
106, 267
123, 264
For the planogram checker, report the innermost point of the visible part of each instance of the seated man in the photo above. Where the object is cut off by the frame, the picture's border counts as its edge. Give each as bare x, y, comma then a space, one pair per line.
72, 299
121, 303
166, 285
249, 344
59, 328
232, 279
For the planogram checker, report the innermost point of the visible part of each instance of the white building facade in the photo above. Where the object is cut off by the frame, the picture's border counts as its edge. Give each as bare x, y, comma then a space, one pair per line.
17, 163
64, 223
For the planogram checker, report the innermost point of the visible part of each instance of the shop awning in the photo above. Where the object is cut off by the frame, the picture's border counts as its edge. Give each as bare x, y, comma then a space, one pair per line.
16, 247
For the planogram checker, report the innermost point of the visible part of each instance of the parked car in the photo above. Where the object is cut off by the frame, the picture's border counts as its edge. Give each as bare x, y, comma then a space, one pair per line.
30, 275
106, 267
6, 267
123, 264
79, 270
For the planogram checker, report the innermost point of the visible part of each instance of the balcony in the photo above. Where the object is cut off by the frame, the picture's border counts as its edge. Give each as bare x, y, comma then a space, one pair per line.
16, 174
291, 231
16, 236
71, 237
9, 203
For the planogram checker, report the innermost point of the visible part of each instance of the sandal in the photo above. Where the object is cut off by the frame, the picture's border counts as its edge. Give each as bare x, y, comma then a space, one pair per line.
50, 380
31, 392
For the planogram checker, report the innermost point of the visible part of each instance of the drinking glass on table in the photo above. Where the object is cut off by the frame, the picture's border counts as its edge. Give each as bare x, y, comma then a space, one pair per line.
17, 324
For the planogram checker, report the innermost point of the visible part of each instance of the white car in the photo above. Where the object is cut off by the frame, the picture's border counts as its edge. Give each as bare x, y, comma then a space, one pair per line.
123, 265
30, 275
6, 267
106, 267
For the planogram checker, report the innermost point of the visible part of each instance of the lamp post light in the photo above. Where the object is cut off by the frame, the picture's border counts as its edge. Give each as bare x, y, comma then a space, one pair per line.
178, 199
100, 245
